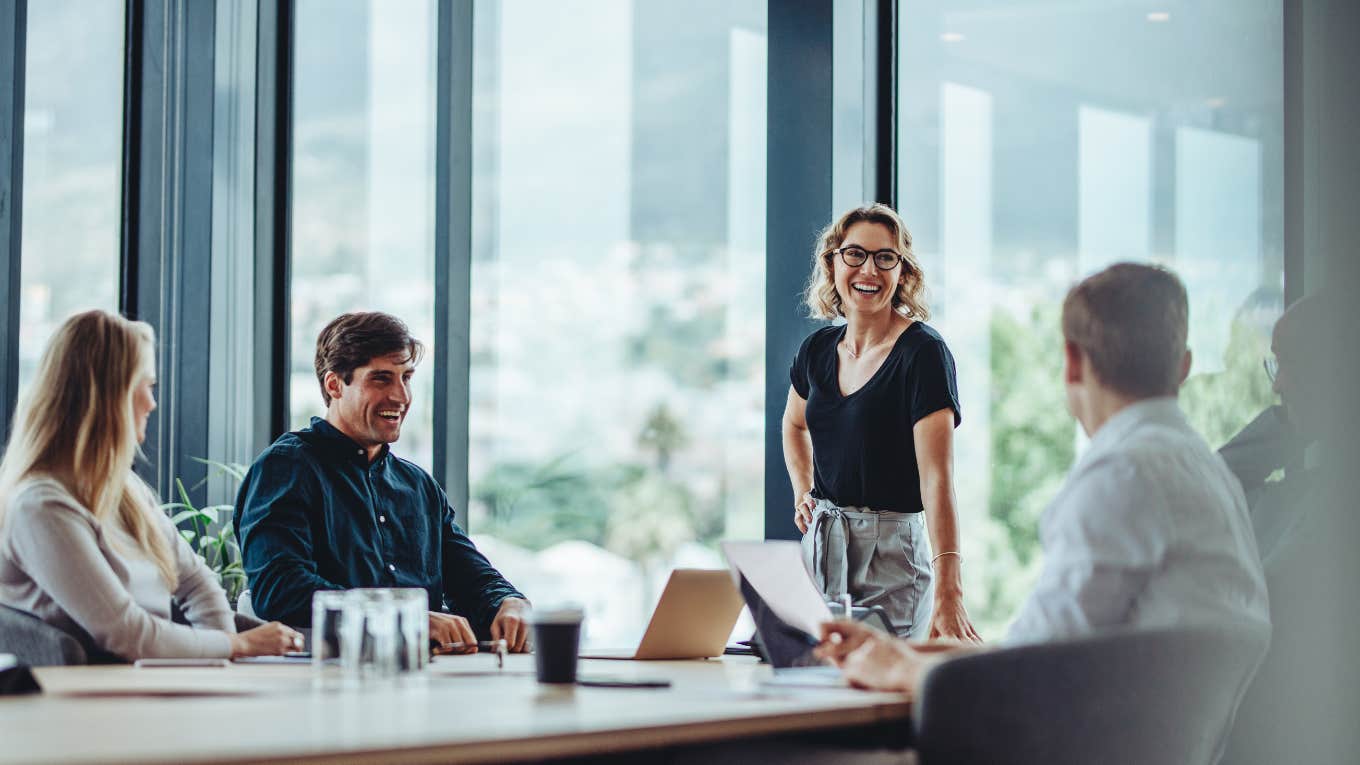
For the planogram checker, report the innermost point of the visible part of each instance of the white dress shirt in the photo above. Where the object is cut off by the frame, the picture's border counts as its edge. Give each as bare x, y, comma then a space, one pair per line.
1150, 530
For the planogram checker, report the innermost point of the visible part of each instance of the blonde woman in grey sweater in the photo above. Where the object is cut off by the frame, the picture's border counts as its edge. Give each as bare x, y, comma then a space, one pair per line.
83, 545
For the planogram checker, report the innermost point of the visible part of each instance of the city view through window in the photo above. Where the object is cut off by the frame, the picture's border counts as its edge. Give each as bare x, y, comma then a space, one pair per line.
618, 295
1032, 154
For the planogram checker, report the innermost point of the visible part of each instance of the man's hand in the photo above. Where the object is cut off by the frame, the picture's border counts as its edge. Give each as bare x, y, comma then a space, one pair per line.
883, 663
870, 658
512, 624
447, 628
802, 512
842, 636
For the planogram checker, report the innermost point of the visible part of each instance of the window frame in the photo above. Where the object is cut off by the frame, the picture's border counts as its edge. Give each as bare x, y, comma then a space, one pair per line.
13, 39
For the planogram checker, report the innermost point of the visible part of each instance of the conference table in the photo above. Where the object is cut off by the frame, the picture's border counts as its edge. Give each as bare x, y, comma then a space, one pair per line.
462, 709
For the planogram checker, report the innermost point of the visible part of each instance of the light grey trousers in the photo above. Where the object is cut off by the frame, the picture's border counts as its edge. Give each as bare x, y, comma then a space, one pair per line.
880, 558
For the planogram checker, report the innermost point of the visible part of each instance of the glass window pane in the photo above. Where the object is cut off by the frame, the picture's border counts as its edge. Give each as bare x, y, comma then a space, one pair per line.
363, 186
1032, 153
73, 150
618, 282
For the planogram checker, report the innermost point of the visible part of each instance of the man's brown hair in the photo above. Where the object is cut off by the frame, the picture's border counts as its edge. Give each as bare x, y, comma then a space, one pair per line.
352, 340
1131, 321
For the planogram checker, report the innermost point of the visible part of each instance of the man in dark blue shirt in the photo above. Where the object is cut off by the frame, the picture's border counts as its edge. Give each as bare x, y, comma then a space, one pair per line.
329, 507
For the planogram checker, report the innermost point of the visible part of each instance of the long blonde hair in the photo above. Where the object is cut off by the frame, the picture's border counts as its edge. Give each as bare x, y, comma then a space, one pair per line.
75, 423
909, 299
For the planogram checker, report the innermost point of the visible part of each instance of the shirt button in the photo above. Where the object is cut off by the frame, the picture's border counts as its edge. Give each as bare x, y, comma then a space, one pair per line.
391, 568
382, 519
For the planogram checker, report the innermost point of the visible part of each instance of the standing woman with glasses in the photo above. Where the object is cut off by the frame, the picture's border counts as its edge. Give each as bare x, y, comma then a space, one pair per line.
83, 543
868, 432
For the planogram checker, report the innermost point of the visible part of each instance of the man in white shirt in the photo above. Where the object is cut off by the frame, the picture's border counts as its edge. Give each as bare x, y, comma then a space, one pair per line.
1151, 528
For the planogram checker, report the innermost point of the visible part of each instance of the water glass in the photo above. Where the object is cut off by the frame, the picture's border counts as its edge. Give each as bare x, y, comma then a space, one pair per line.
413, 629
368, 635
328, 608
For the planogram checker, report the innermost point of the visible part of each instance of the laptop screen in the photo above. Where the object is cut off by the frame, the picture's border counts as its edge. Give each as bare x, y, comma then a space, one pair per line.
784, 645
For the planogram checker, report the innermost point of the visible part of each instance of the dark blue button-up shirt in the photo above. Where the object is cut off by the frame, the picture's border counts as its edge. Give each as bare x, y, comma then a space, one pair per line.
314, 514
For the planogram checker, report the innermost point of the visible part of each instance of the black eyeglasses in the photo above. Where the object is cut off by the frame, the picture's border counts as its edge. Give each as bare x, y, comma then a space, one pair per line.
884, 260
1272, 366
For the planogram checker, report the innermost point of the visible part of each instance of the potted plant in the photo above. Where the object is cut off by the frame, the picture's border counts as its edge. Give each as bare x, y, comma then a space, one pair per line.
209, 531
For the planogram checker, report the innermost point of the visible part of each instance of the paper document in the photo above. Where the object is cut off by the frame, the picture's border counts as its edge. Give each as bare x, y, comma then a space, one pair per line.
775, 570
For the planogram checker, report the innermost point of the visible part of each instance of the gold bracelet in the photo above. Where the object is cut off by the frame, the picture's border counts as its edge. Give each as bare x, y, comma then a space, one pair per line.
946, 552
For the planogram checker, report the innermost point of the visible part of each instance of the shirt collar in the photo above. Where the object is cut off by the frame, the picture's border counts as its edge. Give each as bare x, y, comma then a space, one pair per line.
343, 445
1163, 409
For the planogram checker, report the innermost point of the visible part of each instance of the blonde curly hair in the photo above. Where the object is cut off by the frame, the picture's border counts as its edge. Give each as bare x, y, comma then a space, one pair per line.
820, 295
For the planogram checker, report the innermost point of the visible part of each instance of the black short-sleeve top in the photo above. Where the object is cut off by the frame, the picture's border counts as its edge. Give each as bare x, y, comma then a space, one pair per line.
863, 454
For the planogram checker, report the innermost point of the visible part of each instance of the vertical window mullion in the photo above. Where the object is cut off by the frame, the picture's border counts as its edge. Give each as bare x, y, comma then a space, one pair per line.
273, 195
453, 242
884, 76
13, 25
133, 46
167, 223
799, 172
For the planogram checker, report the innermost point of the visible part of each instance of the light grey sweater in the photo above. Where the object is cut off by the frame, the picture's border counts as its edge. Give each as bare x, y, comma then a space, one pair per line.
68, 569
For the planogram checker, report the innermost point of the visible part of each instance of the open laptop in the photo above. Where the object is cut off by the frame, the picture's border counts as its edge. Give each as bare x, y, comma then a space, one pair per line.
787, 646
693, 619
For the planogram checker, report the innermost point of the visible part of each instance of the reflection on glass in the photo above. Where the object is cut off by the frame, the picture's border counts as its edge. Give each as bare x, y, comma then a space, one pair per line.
1031, 155
363, 186
73, 136
618, 284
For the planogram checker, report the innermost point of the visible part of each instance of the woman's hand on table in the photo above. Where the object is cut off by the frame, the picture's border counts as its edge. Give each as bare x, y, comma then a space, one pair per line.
949, 620
271, 639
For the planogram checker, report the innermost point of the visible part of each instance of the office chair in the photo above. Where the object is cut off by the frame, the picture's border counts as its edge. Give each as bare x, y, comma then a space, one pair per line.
244, 621
35, 642
1123, 697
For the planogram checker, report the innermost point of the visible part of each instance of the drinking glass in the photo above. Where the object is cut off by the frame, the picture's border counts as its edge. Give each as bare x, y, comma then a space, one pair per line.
413, 629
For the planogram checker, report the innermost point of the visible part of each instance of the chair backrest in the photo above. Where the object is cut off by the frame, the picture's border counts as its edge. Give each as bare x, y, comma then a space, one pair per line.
245, 620
35, 642
1126, 697
244, 604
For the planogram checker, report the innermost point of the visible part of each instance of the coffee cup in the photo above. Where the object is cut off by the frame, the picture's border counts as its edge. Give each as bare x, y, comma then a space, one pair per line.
557, 642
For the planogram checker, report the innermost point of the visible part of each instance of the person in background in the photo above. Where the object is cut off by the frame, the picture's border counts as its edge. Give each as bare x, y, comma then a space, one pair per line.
83, 543
1274, 456
1306, 527
868, 432
1150, 528
329, 507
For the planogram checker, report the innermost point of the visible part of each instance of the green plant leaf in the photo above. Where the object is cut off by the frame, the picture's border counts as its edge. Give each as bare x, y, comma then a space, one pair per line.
216, 547
233, 469
183, 495
182, 516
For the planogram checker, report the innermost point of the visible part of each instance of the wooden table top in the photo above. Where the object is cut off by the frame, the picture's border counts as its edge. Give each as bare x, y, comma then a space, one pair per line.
462, 710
